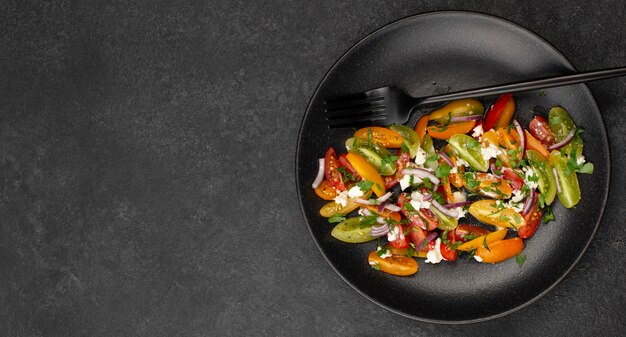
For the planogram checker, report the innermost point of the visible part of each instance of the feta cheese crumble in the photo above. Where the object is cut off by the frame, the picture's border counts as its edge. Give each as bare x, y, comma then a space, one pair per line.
580, 160
478, 131
434, 255
461, 162
490, 152
478, 258
420, 156
342, 198
384, 255
530, 177
355, 192
417, 200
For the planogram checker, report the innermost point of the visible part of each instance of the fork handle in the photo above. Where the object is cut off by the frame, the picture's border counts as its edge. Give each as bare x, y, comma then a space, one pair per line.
527, 85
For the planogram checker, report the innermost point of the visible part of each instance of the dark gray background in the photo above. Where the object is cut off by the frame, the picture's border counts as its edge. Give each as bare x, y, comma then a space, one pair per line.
147, 169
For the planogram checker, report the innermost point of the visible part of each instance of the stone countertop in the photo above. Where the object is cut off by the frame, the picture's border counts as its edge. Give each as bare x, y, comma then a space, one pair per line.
147, 164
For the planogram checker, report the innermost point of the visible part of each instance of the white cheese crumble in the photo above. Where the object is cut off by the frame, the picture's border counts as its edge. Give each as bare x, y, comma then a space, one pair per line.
342, 198
405, 182
395, 234
454, 170
460, 211
530, 174
580, 160
478, 131
460, 162
420, 156
490, 152
478, 258
417, 200
384, 255
355, 192
434, 255
459, 196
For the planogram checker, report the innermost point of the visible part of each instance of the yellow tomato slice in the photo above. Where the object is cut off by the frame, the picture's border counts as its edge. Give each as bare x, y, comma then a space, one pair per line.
533, 144
420, 127
383, 136
447, 131
395, 265
500, 250
489, 212
507, 114
479, 241
367, 172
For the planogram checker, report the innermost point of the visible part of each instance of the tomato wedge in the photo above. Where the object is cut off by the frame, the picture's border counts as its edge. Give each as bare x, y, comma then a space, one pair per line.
540, 129
463, 230
422, 217
420, 127
447, 131
383, 136
481, 240
533, 144
512, 178
325, 191
496, 113
448, 253
343, 162
331, 172
367, 172
395, 265
500, 250
533, 219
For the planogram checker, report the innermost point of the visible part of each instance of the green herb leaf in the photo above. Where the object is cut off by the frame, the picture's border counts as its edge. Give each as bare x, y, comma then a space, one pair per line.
364, 185
485, 244
376, 266
520, 259
337, 218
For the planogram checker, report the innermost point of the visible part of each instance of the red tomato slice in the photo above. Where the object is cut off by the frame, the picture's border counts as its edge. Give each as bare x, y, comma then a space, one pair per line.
422, 217
462, 230
330, 170
512, 178
533, 219
402, 240
495, 112
540, 129
343, 162
448, 253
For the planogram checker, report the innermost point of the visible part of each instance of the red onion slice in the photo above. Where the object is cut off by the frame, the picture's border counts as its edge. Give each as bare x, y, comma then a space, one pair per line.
393, 208
466, 118
362, 201
446, 158
379, 231
320, 174
458, 204
384, 197
448, 212
422, 173
564, 142
381, 207
522, 135
528, 204
493, 168
558, 184
427, 240
427, 197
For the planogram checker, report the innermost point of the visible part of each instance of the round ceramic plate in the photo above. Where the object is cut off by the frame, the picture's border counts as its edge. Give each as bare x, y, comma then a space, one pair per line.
434, 53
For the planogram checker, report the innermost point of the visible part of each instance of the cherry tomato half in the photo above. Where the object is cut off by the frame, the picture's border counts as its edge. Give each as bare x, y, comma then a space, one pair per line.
395, 265
500, 250
448, 253
383, 136
331, 172
343, 162
533, 219
540, 129
325, 191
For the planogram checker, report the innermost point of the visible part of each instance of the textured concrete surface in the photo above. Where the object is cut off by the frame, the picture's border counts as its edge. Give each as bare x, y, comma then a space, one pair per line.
147, 169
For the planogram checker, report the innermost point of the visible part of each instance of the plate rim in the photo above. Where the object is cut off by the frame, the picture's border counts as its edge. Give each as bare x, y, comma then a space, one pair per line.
566, 62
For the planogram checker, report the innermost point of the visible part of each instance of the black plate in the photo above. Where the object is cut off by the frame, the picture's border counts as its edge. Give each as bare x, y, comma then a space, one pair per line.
429, 54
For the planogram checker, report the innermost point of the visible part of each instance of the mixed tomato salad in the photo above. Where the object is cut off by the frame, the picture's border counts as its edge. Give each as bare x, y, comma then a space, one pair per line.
415, 190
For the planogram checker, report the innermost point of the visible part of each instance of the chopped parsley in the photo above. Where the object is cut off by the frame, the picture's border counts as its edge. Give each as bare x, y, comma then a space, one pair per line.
520, 259
337, 218
364, 185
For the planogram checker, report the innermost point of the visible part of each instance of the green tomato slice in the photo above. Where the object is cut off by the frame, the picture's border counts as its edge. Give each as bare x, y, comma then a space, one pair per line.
350, 231
429, 148
445, 222
547, 181
468, 149
409, 138
561, 124
570, 190
374, 154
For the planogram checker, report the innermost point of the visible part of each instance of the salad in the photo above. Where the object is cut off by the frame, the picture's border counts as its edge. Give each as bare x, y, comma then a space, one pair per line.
414, 191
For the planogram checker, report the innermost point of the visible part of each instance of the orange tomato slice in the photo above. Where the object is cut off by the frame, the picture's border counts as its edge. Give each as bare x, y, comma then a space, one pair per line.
533, 144
489, 212
420, 127
367, 172
325, 191
507, 114
500, 250
383, 136
447, 131
395, 216
479, 241
395, 265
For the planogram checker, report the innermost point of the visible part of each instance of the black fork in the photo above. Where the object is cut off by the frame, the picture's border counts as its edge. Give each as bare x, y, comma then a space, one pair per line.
393, 105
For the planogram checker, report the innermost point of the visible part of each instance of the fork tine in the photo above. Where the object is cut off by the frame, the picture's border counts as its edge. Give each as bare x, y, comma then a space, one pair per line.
346, 103
355, 112
364, 119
